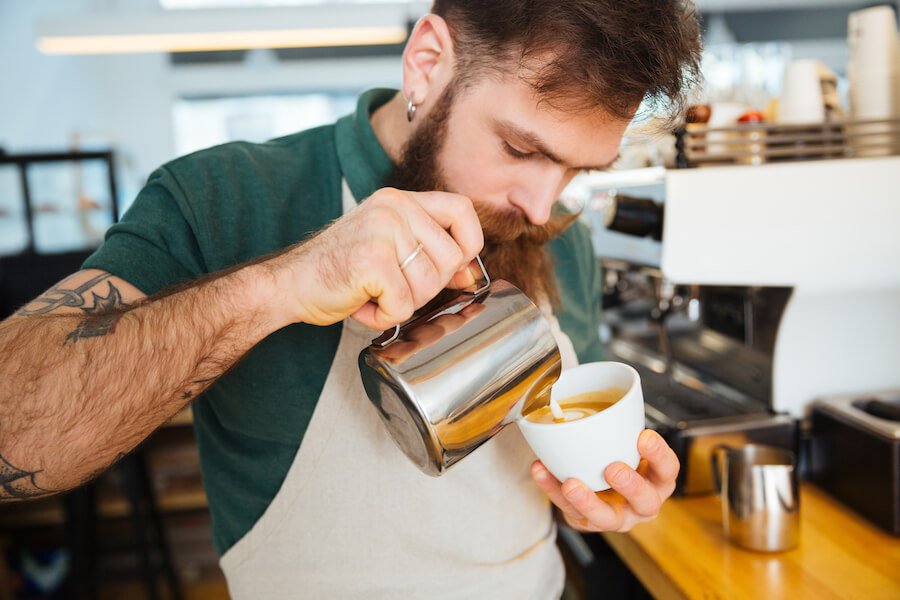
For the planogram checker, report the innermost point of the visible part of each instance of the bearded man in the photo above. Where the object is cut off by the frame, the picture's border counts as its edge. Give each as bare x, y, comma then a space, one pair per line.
247, 278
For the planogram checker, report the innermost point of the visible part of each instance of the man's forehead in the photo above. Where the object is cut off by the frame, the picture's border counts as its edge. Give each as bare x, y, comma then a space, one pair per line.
566, 132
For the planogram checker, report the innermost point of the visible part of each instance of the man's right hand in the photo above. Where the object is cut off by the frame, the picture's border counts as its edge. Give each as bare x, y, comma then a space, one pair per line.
352, 268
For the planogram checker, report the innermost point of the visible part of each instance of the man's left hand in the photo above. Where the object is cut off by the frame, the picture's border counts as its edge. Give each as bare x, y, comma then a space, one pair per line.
640, 493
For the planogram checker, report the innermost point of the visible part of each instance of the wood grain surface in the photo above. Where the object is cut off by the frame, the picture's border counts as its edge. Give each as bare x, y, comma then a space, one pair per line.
684, 554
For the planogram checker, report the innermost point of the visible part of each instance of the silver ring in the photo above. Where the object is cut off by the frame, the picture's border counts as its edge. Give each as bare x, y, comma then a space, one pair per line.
412, 256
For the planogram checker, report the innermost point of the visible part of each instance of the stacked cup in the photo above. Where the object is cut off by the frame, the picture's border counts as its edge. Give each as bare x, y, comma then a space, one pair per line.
801, 94
874, 74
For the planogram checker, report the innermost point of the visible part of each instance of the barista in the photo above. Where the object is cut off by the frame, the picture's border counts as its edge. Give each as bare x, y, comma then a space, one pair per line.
502, 104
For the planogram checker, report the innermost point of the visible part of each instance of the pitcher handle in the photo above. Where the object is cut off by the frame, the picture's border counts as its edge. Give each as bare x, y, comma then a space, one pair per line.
486, 284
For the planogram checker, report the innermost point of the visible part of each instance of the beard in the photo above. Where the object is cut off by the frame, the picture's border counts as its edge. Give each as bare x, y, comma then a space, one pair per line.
514, 248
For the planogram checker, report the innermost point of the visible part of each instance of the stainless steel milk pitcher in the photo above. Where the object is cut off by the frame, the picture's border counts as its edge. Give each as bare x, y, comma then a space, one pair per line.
760, 499
459, 371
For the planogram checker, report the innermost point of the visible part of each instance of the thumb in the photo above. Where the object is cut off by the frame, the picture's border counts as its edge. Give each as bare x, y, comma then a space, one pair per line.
465, 277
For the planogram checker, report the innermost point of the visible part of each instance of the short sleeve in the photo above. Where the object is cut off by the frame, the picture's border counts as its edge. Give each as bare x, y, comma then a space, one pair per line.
155, 244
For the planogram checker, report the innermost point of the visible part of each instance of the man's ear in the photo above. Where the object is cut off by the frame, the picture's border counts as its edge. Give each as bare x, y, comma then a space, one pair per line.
428, 60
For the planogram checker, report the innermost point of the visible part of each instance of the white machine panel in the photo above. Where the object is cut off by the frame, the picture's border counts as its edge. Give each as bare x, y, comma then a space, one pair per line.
830, 225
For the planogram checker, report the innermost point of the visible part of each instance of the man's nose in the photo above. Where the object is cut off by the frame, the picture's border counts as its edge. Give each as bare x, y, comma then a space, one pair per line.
536, 200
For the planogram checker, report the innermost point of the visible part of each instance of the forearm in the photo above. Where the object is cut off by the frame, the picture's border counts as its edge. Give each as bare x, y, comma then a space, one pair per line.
78, 391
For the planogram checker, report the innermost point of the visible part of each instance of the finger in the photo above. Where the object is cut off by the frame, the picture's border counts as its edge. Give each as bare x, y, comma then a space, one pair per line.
391, 296
418, 267
641, 495
439, 246
601, 515
455, 213
386, 311
429, 268
388, 218
551, 487
465, 277
662, 460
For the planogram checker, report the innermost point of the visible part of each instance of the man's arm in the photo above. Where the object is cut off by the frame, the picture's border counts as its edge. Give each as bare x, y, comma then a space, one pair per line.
90, 368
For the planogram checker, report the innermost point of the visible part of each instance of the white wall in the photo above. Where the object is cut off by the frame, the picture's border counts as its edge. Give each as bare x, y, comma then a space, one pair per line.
121, 101
126, 101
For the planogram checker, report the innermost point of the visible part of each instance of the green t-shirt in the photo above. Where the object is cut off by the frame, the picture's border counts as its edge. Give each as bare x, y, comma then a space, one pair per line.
226, 205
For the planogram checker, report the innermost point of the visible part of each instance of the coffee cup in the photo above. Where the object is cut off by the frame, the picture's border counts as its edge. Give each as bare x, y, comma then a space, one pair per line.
872, 41
801, 93
583, 448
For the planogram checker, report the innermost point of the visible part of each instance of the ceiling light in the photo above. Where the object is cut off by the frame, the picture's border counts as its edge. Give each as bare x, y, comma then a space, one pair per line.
225, 29
206, 41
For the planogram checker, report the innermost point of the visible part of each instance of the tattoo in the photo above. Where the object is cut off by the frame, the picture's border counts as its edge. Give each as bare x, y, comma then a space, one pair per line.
57, 297
17, 483
102, 317
187, 395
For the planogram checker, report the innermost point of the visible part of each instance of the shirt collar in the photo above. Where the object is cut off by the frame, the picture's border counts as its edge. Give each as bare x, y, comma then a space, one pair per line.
364, 163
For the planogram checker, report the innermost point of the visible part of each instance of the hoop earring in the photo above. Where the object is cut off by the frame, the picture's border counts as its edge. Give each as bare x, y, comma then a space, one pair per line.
410, 108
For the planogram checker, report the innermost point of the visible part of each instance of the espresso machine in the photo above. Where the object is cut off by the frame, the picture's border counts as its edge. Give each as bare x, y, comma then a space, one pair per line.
742, 294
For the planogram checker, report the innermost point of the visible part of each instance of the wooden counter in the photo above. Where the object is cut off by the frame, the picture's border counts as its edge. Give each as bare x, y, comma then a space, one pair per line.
684, 554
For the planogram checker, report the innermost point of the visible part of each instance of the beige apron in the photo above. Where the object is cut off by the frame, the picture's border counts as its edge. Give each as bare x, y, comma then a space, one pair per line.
354, 518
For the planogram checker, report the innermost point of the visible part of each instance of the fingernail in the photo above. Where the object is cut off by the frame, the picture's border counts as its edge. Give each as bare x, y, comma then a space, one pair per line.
652, 442
622, 477
538, 472
575, 494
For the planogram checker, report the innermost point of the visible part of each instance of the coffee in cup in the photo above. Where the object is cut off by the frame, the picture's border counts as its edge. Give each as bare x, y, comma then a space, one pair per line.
578, 406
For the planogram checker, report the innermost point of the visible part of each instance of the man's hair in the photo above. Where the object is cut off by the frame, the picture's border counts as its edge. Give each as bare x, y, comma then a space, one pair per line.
579, 55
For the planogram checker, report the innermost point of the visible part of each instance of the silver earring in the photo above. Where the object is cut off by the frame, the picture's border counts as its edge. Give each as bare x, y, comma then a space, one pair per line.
410, 109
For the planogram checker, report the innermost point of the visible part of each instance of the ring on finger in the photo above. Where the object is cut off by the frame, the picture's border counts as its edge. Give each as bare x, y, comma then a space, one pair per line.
412, 256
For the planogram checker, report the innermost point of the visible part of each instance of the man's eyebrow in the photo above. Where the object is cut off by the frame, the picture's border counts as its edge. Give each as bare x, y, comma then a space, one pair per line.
507, 129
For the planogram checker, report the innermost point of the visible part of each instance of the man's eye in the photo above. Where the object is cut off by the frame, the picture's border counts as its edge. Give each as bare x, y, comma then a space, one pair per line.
518, 154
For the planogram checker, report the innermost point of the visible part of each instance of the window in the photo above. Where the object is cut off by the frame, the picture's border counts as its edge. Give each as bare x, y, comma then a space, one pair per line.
201, 123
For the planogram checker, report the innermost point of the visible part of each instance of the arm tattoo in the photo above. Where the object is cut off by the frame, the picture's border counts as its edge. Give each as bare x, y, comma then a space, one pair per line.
18, 484
101, 318
57, 297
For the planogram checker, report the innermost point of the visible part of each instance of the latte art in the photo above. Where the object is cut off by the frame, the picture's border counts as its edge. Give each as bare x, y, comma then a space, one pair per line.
573, 414
578, 406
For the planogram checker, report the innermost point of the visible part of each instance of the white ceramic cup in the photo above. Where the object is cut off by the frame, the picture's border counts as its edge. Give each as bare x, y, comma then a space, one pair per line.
801, 93
583, 449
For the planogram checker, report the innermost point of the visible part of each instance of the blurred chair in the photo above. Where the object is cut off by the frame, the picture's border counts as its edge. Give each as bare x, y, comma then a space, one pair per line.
150, 544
